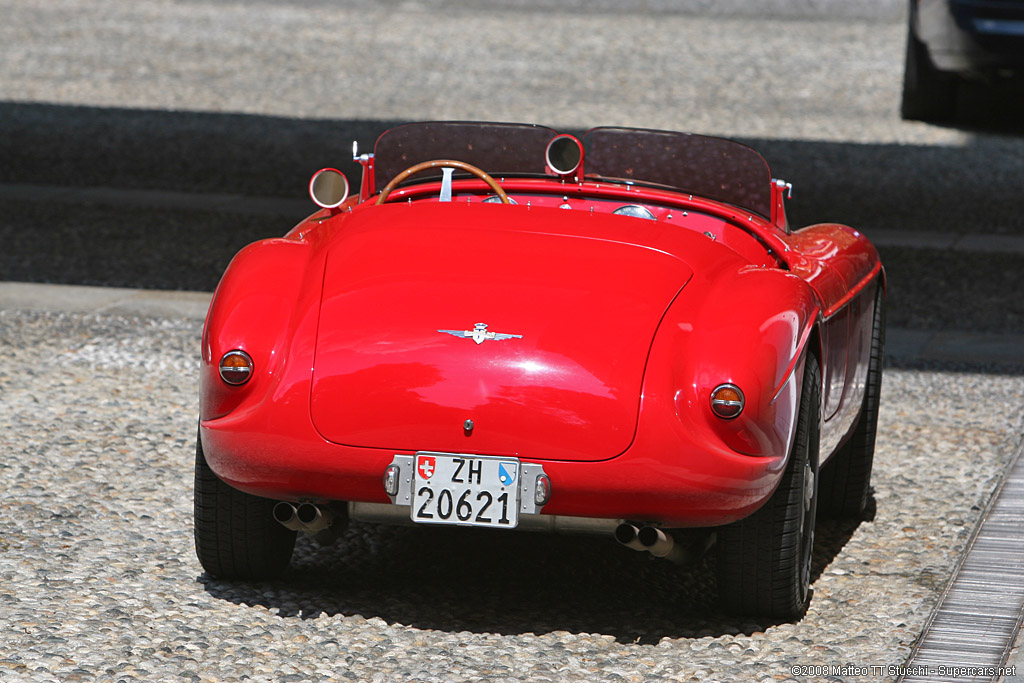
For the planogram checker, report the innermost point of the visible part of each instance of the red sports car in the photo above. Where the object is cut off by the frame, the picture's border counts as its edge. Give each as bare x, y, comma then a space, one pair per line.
513, 328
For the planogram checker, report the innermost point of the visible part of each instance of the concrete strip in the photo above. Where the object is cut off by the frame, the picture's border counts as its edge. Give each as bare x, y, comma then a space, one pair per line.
915, 239
966, 242
953, 346
103, 300
959, 346
901, 344
1008, 244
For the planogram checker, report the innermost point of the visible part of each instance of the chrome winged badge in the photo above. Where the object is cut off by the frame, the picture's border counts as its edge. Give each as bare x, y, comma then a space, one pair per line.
479, 334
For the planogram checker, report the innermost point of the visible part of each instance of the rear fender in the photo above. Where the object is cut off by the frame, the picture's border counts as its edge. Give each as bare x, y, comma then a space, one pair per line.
751, 330
255, 308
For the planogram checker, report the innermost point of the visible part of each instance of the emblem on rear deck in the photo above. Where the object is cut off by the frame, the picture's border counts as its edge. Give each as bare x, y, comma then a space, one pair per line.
479, 334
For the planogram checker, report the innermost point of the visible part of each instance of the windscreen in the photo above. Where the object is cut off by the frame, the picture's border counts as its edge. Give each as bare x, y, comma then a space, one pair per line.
497, 148
715, 168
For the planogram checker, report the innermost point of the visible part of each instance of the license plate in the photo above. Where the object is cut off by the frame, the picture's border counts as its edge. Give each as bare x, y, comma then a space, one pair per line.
466, 490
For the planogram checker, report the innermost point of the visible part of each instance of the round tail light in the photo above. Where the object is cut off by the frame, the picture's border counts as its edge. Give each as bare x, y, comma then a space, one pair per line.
235, 367
727, 401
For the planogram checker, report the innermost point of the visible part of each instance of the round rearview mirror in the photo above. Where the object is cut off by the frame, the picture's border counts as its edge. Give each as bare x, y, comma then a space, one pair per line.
564, 154
328, 188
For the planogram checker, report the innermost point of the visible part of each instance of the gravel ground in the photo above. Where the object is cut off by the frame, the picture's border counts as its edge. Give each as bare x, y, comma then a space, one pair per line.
98, 579
99, 582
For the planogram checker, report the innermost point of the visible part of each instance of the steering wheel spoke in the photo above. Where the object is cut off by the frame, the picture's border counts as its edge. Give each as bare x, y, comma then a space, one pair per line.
446, 184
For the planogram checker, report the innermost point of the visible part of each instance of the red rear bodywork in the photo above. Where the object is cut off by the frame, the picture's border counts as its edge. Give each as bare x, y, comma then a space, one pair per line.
360, 323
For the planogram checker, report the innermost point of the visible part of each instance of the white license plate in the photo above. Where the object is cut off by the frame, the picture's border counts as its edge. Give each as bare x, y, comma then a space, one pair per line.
465, 489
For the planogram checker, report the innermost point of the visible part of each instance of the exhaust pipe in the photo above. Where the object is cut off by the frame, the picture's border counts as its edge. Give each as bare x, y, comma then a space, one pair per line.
627, 535
286, 515
658, 543
314, 518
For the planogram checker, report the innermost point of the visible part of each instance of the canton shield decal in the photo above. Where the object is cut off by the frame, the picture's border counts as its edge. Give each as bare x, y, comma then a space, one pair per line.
426, 465
507, 472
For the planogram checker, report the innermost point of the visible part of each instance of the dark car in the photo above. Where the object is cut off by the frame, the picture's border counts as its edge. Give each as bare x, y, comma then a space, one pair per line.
953, 42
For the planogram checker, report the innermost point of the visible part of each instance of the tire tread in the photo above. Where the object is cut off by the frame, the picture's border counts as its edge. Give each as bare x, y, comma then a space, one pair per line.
759, 557
236, 536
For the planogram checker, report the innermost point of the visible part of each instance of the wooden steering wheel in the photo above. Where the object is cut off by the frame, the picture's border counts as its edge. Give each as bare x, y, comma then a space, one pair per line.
449, 163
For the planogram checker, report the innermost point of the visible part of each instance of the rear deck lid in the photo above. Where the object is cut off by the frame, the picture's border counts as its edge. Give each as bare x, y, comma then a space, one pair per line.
445, 314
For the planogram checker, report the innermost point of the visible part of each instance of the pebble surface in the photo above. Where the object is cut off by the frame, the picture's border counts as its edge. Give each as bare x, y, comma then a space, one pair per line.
99, 581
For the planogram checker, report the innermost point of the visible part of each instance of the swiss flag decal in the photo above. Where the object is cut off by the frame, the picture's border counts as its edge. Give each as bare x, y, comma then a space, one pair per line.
426, 465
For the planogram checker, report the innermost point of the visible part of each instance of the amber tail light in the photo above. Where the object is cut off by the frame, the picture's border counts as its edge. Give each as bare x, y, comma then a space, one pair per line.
727, 401
235, 367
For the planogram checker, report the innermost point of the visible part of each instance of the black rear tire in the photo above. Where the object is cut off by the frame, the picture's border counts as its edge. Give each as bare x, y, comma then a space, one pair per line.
235, 533
928, 94
846, 477
764, 560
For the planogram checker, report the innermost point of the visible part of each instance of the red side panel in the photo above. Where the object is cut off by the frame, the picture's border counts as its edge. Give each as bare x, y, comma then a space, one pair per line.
841, 265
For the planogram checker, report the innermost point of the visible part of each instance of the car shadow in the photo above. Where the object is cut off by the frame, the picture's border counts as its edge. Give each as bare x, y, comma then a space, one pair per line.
866, 185
511, 583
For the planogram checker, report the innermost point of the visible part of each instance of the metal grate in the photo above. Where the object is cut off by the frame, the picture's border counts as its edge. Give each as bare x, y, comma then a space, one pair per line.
972, 630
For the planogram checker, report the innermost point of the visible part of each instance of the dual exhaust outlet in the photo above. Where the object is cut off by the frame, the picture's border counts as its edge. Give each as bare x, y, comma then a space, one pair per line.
656, 542
319, 522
